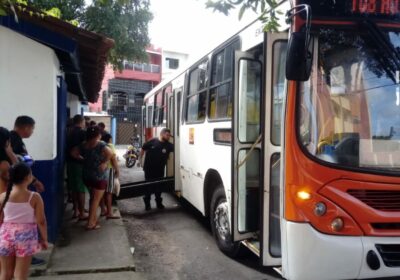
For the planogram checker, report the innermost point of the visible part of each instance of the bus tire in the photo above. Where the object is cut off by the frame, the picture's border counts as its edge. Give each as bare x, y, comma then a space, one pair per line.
220, 226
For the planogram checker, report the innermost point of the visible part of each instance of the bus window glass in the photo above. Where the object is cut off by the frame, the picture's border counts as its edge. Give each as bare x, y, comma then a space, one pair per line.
194, 76
220, 101
218, 68
158, 110
196, 99
349, 109
229, 60
163, 118
224, 107
249, 100
278, 86
178, 114
149, 114
248, 191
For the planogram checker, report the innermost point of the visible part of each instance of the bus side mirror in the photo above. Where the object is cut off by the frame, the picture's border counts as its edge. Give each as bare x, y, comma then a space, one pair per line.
299, 57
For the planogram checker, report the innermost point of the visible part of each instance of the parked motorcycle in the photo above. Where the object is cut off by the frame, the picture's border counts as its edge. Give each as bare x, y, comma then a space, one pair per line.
132, 154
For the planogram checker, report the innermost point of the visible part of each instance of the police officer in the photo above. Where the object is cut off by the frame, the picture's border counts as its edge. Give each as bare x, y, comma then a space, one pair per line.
157, 151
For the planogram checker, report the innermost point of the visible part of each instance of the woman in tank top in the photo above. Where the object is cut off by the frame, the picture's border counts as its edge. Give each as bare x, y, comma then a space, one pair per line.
21, 214
95, 156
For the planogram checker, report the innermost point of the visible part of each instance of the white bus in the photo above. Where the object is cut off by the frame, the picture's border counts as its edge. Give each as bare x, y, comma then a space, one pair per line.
281, 140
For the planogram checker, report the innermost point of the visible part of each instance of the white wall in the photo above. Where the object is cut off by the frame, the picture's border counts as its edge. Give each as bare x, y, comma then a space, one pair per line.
183, 60
28, 86
74, 104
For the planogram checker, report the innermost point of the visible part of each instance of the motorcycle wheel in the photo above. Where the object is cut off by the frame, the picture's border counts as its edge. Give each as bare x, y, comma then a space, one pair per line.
130, 162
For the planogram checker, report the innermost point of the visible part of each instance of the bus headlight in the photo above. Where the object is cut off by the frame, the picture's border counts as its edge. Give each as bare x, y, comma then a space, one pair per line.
337, 224
320, 209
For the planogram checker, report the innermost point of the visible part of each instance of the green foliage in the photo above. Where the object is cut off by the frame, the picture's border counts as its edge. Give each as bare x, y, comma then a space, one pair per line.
69, 10
126, 21
266, 9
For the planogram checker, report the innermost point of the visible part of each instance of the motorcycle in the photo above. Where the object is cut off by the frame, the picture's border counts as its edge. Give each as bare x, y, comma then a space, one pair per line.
131, 155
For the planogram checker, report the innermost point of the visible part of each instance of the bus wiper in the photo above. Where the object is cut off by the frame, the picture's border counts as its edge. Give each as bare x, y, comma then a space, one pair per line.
391, 57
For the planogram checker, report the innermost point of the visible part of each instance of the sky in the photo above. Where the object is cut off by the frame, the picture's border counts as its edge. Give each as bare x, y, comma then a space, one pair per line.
187, 26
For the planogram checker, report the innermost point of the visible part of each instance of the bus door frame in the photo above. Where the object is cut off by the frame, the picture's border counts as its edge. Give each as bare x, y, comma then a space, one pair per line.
269, 151
238, 146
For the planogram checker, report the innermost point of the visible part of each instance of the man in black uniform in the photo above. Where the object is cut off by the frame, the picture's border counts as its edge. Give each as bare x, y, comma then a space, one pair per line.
157, 152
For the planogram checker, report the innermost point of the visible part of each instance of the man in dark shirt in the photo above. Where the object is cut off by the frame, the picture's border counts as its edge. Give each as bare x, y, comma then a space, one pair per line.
23, 128
157, 152
75, 138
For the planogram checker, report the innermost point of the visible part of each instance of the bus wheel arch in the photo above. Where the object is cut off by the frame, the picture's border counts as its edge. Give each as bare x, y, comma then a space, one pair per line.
212, 182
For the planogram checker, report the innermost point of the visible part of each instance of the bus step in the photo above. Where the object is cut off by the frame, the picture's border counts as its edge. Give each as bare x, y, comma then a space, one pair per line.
252, 245
278, 269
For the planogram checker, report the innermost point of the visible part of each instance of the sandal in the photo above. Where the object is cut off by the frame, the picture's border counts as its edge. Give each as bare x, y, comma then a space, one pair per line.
97, 226
85, 218
113, 217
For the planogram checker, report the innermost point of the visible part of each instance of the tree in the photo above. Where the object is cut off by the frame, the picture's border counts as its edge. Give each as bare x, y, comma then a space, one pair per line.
266, 9
125, 21
69, 10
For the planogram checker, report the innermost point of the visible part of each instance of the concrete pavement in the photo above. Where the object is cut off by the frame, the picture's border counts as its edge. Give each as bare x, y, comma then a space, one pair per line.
96, 276
80, 254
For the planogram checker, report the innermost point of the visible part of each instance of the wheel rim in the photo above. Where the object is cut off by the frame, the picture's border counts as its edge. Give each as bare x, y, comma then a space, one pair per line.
221, 221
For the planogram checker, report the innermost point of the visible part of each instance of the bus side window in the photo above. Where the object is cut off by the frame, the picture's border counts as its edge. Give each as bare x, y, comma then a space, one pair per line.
220, 102
178, 112
278, 83
196, 97
149, 115
159, 107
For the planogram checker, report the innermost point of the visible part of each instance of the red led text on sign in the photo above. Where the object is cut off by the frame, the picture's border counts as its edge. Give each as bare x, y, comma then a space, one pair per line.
385, 7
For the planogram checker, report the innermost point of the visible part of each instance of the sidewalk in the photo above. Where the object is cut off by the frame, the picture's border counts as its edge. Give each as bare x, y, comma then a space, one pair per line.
96, 254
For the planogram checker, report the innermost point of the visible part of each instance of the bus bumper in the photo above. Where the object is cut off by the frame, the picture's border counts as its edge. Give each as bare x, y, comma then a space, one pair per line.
309, 254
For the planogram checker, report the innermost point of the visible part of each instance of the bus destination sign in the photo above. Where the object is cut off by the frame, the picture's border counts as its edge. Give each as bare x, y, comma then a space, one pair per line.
383, 7
373, 9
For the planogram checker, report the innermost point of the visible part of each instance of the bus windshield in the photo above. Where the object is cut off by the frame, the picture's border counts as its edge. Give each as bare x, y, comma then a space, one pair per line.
349, 111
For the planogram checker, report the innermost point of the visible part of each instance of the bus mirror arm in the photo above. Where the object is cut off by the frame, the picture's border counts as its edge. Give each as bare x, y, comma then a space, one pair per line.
299, 56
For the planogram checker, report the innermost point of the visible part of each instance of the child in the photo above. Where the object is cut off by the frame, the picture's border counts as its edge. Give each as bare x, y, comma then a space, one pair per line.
21, 214
113, 166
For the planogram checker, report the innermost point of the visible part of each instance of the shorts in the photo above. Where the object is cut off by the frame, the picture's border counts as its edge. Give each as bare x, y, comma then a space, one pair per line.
100, 185
75, 180
19, 240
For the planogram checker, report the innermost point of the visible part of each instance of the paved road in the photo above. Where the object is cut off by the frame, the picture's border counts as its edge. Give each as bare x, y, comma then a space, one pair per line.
177, 243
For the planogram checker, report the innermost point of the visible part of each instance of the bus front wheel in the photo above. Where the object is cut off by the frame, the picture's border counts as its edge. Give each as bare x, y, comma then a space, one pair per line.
221, 229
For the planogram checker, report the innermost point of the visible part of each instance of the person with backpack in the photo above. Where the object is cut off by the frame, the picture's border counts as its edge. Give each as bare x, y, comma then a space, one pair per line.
21, 216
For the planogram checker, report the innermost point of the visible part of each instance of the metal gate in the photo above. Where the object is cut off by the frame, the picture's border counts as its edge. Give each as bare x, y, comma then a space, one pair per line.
125, 131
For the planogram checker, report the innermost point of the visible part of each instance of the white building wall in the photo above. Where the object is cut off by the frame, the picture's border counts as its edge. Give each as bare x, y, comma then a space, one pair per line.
74, 104
166, 71
28, 86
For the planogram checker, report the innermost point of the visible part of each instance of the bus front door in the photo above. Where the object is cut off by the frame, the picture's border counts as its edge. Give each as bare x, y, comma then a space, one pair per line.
247, 153
258, 103
274, 75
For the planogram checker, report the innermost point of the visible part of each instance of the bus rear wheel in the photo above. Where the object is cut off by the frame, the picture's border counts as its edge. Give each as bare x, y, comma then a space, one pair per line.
221, 229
